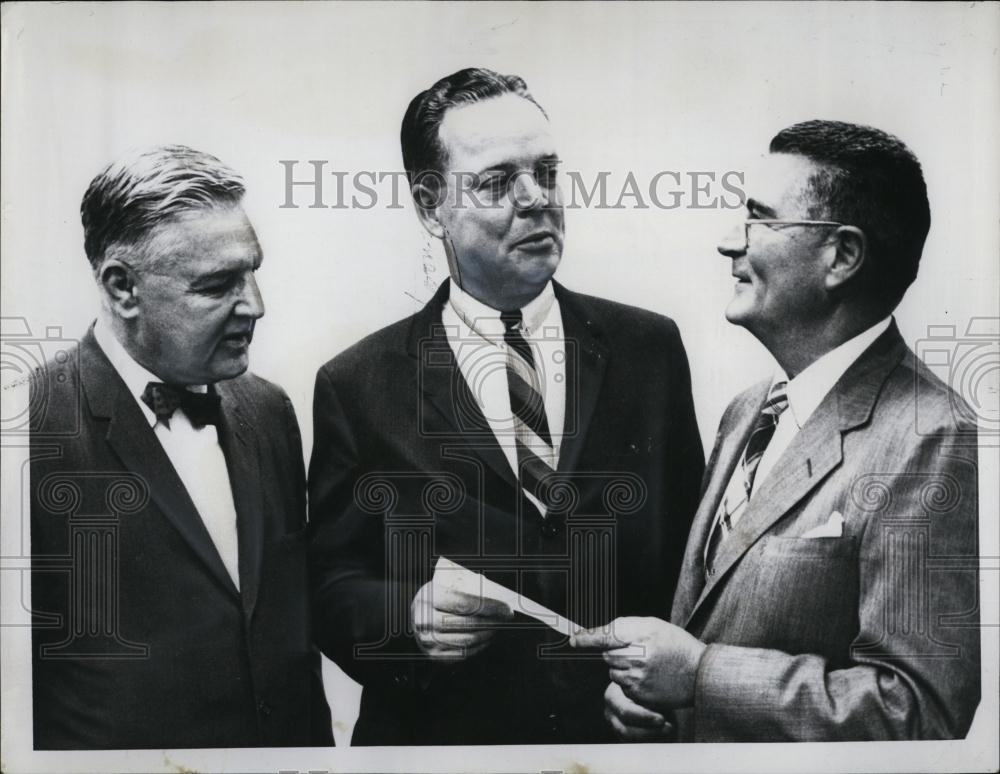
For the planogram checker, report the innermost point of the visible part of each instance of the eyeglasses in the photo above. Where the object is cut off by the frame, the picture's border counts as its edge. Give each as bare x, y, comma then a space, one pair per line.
771, 222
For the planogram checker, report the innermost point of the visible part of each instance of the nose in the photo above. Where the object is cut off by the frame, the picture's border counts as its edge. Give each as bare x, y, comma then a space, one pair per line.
251, 303
734, 243
526, 193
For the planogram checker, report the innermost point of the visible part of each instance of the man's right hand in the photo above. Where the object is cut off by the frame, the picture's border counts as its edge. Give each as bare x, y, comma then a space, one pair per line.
452, 625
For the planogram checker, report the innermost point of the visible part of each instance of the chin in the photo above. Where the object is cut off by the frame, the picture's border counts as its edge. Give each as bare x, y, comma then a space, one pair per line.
542, 268
738, 314
230, 369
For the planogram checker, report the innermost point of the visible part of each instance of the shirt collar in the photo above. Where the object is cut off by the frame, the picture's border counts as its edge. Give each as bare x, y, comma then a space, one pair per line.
807, 390
485, 320
135, 376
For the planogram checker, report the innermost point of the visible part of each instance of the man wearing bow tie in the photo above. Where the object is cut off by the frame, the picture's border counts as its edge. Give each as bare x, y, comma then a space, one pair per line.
829, 587
168, 500
541, 437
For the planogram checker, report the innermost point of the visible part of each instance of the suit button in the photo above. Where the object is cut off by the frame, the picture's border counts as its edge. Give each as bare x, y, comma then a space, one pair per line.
400, 679
264, 708
553, 722
549, 527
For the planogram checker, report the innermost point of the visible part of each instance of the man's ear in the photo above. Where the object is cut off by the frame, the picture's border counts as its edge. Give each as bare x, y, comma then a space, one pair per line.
428, 202
849, 251
117, 281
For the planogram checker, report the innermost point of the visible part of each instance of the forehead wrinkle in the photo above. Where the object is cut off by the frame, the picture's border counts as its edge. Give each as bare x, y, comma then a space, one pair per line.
499, 157
510, 128
208, 235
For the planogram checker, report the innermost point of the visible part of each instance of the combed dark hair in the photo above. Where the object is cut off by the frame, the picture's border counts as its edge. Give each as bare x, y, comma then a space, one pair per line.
134, 194
871, 180
422, 150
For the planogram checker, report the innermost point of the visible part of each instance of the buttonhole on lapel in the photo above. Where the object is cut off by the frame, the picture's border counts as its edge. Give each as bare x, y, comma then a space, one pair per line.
809, 467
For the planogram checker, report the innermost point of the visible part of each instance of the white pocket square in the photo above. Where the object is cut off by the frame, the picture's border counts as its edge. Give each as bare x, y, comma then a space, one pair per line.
834, 527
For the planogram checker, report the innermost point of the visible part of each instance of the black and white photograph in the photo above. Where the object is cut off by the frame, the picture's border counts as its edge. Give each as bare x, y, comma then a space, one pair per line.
500, 387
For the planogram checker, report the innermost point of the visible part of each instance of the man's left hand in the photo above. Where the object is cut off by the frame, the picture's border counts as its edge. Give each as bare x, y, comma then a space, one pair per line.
653, 661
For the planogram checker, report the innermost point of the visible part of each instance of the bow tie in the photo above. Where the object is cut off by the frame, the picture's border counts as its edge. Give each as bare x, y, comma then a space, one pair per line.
201, 408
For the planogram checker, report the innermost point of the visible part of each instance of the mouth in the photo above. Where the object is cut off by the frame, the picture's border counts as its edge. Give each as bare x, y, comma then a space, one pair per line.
539, 240
239, 339
741, 279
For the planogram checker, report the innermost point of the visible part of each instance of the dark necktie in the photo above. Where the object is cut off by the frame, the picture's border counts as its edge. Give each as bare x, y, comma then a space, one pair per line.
201, 408
535, 458
760, 436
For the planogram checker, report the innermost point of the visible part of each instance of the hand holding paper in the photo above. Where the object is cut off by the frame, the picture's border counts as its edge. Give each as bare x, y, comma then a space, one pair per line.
451, 577
653, 661
454, 623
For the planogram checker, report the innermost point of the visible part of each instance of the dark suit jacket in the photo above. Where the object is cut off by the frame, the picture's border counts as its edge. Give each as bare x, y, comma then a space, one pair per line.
405, 468
141, 639
871, 635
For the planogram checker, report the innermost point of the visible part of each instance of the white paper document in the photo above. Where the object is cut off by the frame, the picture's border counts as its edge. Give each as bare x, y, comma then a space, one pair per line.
454, 577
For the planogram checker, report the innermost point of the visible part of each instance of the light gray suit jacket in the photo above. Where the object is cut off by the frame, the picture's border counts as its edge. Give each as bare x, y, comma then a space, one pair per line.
871, 635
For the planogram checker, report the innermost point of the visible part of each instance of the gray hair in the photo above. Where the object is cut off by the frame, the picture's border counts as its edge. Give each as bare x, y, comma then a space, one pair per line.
134, 194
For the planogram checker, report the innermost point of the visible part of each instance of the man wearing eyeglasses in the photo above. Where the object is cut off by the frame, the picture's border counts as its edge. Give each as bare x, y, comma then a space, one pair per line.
829, 586
543, 438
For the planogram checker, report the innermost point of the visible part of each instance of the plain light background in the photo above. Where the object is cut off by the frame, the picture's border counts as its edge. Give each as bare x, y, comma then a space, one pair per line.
629, 88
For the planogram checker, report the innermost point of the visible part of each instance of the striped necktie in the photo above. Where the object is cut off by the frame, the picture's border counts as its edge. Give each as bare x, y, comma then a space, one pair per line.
535, 457
763, 430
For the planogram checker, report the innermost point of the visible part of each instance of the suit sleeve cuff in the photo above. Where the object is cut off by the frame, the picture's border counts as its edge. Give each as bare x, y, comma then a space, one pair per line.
727, 694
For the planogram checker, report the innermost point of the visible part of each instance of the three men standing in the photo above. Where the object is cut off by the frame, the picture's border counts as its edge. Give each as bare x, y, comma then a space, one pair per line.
543, 438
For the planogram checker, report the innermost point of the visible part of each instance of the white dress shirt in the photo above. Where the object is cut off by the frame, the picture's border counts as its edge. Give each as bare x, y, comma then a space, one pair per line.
475, 334
194, 452
807, 390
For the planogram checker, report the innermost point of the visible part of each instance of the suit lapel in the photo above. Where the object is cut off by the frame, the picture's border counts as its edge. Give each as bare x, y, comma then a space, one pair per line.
135, 443
586, 363
733, 438
240, 446
814, 452
447, 397
446, 391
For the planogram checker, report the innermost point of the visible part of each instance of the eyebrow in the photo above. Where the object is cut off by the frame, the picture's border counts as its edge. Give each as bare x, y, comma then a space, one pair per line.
550, 158
763, 209
215, 276
227, 272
